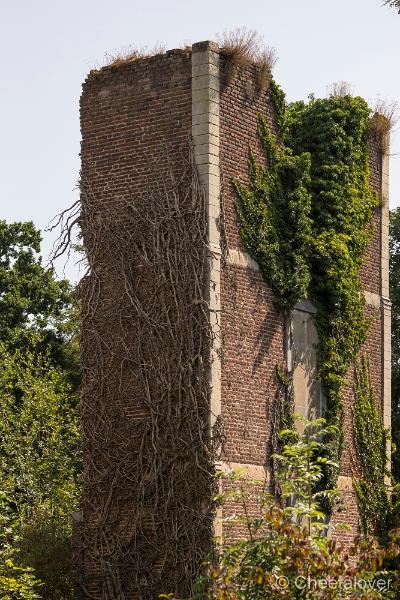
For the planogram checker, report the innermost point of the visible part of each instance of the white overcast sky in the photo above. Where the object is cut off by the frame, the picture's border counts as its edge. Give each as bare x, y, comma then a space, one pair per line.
48, 46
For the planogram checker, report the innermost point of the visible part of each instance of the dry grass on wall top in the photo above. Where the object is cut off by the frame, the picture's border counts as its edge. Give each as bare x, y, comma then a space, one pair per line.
384, 120
244, 47
132, 54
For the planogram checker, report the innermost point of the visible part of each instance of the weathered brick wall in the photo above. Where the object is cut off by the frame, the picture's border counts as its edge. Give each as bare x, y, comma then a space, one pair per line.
144, 413
253, 334
127, 114
134, 116
252, 328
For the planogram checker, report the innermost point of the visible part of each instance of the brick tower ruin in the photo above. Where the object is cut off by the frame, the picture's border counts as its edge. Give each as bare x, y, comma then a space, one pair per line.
180, 332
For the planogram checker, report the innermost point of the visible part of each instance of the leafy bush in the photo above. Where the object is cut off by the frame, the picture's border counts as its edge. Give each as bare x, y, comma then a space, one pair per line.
288, 554
16, 583
40, 474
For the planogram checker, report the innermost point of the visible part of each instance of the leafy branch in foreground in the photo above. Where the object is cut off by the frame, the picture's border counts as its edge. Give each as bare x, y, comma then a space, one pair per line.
16, 582
299, 472
288, 554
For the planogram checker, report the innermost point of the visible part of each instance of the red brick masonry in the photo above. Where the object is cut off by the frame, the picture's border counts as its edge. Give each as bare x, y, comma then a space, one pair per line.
129, 113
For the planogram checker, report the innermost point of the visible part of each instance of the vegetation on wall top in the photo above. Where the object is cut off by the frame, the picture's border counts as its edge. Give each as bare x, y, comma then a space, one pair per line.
243, 47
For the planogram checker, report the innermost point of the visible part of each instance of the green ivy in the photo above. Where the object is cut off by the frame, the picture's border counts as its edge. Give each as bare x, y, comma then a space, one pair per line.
371, 440
306, 219
274, 213
278, 99
335, 131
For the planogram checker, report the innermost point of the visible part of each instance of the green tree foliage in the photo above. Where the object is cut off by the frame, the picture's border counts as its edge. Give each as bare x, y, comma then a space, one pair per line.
39, 445
288, 554
393, 4
32, 300
38, 432
394, 275
39, 465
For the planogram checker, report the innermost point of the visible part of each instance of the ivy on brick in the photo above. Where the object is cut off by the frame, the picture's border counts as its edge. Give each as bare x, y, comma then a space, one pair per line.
371, 439
275, 216
306, 219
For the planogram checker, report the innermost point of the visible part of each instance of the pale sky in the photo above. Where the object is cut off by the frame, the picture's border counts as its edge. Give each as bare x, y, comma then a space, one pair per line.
48, 46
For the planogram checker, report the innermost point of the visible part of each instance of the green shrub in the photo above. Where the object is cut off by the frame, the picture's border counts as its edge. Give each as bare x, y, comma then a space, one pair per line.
39, 466
288, 554
16, 582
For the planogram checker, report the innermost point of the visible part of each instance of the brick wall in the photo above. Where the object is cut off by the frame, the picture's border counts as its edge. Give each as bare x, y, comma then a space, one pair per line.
252, 328
132, 117
253, 336
144, 526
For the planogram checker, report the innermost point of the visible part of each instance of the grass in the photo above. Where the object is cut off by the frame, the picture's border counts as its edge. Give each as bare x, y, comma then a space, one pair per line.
244, 47
385, 118
340, 89
131, 54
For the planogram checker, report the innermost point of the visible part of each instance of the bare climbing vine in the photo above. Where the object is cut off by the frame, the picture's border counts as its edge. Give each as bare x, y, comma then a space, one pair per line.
145, 340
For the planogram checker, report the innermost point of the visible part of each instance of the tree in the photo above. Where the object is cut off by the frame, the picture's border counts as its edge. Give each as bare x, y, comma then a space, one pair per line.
393, 3
39, 442
39, 468
394, 276
287, 553
33, 301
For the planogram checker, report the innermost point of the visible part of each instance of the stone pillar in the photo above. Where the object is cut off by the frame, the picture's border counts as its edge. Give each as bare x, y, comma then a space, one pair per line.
206, 147
205, 135
386, 304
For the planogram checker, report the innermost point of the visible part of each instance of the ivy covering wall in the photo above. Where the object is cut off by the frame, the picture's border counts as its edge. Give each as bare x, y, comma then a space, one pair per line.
371, 441
306, 219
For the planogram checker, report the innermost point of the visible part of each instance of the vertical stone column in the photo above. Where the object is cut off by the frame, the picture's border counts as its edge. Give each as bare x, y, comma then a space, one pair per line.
386, 304
206, 147
205, 135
